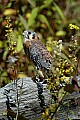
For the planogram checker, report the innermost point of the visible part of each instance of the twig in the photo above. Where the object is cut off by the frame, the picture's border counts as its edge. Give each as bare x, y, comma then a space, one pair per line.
59, 103
17, 102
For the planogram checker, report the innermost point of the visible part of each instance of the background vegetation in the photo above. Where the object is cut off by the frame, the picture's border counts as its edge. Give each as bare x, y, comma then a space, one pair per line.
49, 18
54, 21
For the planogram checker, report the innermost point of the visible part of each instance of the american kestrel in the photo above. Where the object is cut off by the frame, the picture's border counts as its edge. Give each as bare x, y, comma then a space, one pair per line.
37, 53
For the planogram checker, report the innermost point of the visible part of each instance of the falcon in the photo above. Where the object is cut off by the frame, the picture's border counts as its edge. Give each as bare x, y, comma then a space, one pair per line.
37, 53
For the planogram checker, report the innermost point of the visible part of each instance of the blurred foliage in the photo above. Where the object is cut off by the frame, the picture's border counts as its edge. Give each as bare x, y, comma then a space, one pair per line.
56, 22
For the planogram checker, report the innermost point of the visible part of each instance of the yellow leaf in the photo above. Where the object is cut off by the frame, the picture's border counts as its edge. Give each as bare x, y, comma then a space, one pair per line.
28, 15
9, 12
47, 112
21, 75
4, 113
49, 49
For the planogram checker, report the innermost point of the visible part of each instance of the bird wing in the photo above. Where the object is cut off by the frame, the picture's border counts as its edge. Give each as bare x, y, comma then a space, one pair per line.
40, 56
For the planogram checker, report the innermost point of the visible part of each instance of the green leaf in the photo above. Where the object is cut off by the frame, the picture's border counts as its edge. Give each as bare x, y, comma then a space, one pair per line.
60, 33
65, 57
5, 53
9, 5
19, 44
33, 15
23, 22
1, 44
59, 11
44, 19
4, 74
46, 4
32, 2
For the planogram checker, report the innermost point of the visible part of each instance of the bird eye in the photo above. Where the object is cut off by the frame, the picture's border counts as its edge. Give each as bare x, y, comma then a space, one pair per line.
33, 37
29, 32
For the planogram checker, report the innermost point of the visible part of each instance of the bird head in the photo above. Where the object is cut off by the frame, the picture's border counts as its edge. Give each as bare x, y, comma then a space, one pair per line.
29, 35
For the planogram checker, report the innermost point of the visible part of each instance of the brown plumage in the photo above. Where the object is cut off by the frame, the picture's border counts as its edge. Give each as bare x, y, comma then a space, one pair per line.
37, 53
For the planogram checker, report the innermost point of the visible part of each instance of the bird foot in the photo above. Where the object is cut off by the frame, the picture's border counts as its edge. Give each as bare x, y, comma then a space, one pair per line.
35, 79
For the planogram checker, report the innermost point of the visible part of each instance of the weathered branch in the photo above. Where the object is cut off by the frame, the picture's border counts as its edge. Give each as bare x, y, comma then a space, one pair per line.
25, 99
28, 101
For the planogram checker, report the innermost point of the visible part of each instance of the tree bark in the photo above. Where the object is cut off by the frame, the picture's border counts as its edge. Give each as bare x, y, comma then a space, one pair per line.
23, 94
